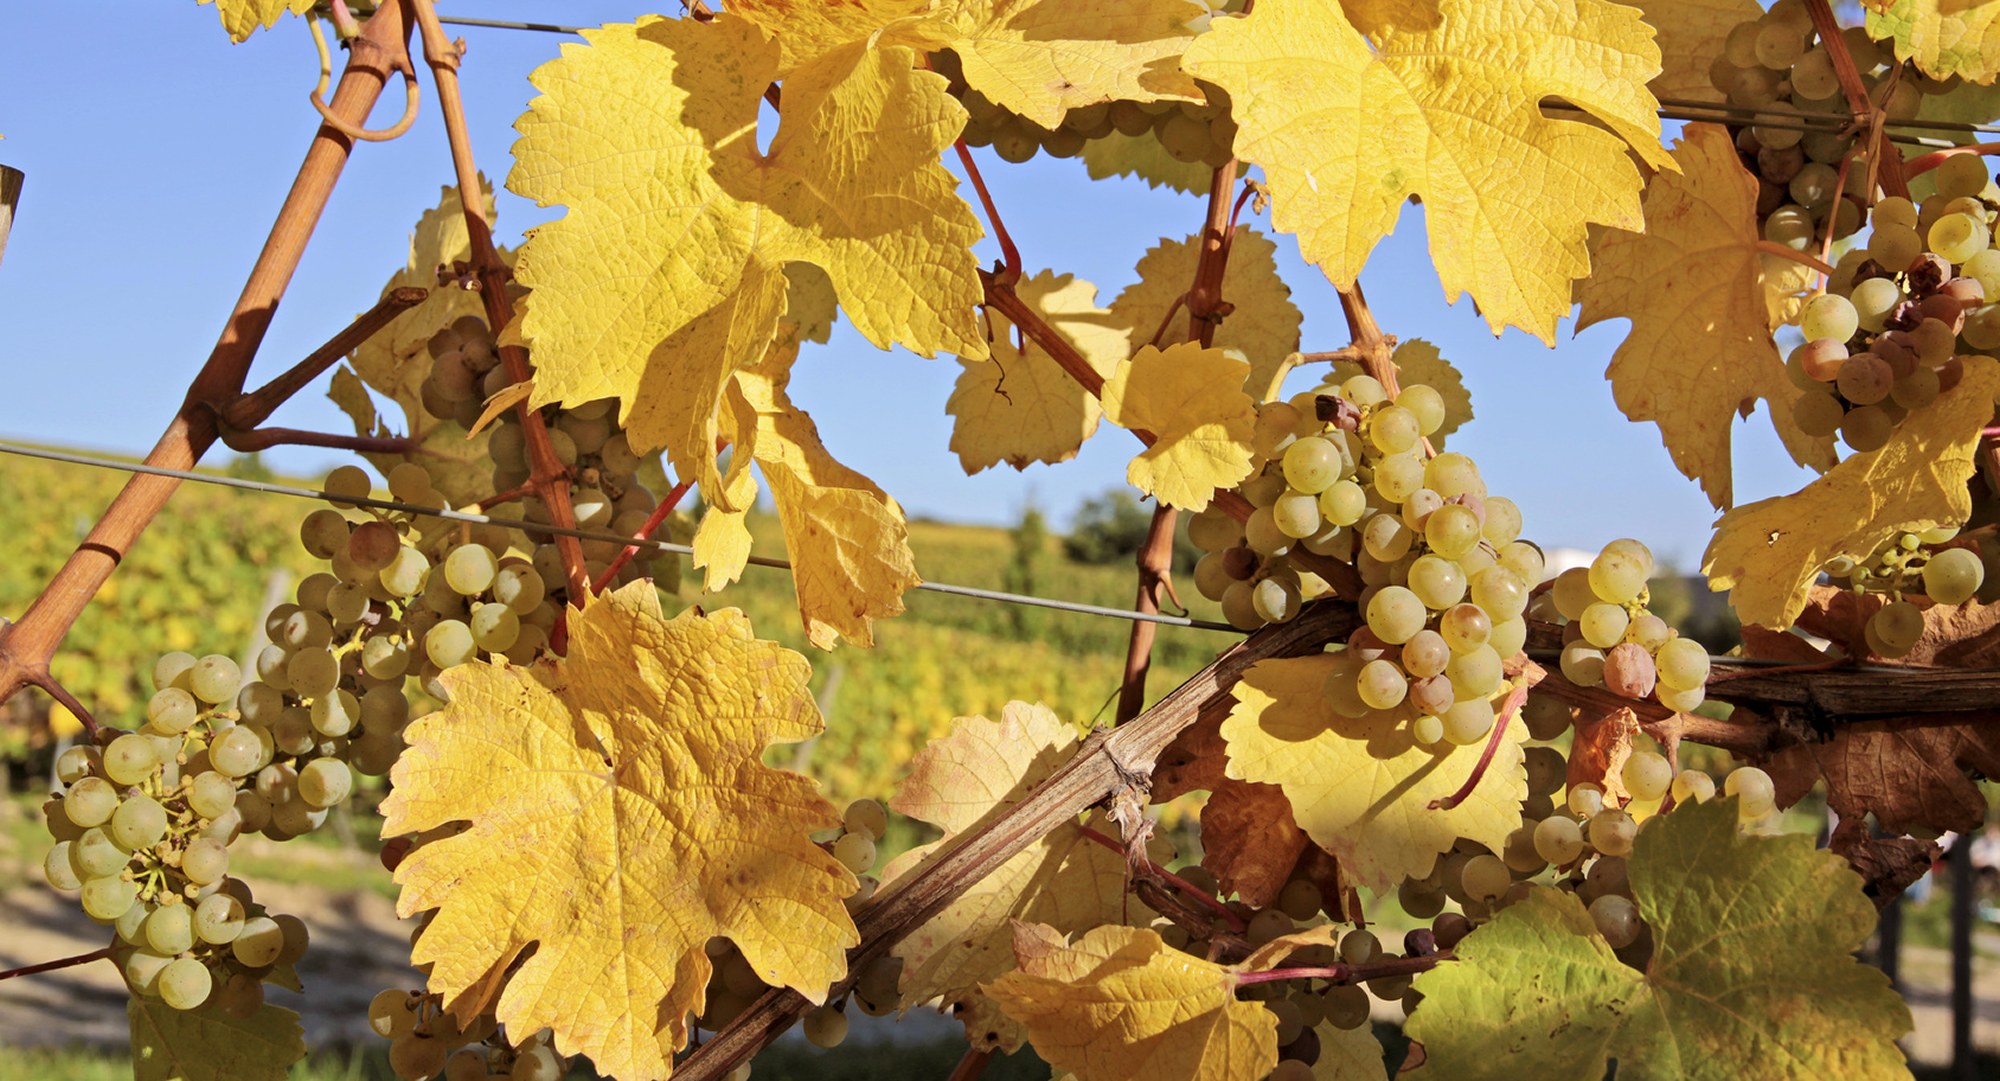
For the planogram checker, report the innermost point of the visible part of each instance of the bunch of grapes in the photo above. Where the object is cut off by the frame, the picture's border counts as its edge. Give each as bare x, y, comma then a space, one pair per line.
143, 827
1190, 132
1776, 63
1909, 563
426, 1041
605, 492
1612, 641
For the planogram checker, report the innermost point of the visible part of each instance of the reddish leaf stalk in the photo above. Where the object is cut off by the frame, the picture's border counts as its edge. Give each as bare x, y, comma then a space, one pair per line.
1924, 163
546, 473
1507, 711
265, 438
971, 1065
251, 409
60, 693
1009, 253
645, 532
28, 645
65, 962
1350, 974
1786, 251
1200, 895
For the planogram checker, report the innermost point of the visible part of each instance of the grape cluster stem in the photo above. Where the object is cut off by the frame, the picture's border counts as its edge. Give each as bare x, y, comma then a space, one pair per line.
1190, 889
103, 954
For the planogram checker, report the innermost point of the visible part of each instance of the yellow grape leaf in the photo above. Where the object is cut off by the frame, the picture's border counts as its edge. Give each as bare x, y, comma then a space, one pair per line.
1769, 553
209, 1045
846, 538
1265, 324
1376, 16
1039, 58
1348, 127
722, 545
1361, 789
810, 303
621, 816
1691, 34
1693, 286
1944, 37
395, 361
1142, 156
1188, 398
1020, 407
1419, 362
1119, 1003
667, 273
241, 18
961, 781
459, 467
1348, 1054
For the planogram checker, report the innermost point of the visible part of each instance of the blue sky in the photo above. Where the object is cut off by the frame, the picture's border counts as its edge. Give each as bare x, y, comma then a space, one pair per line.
154, 170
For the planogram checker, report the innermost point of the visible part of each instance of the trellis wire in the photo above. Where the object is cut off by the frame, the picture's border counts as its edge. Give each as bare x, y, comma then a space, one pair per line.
581, 534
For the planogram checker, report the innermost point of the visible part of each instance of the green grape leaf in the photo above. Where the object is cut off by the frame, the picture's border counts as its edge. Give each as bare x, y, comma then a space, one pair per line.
242, 18
209, 1045
667, 273
1752, 976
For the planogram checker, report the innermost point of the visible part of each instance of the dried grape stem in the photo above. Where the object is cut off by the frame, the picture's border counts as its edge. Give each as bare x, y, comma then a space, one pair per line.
1200, 895
29, 644
546, 472
253, 408
1093, 774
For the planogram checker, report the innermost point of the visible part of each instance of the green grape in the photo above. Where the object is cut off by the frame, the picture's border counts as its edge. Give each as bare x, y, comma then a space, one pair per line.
1014, 143
312, 672
1500, 592
1583, 664
130, 759
1343, 503
142, 969
1394, 430
1985, 268
1425, 655
1612, 832
1545, 717
1573, 593
541, 1063
1680, 701
347, 602
1647, 775
1275, 600
1546, 767
406, 574
336, 714
1468, 722
1485, 878
495, 627
449, 643
1894, 247
1385, 537
1451, 474
186, 983
1296, 515
1682, 664
1817, 415
1346, 1007
1438, 582
219, 919
855, 851
471, 568
215, 679
392, 1014
1212, 530
1453, 531
1866, 428
59, 867
260, 703
259, 942
1828, 315
1418, 901
238, 752
140, 822
1262, 534
296, 818
409, 482
1238, 607
1617, 576
323, 533
1426, 404
1959, 237
1693, 784
384, 710
105, 899
1603, 624
1503, 522
1312, 464
1755, 795
172, 710
592, 508
866, 816
1954, 575
1917, 389
347, 483
171, 670
384, 657
1432, 695
1275, 428
325, 782
415, 1057
212, 794
1398, 476
90, 802
522, 590
205, 861
1396, 615
825, 1026
1363, 390
1475, 673
96, 855
1211, 575
1427, 730
1417, 510
1874, 299
1648, 631
1381, 684
296, 939
169, 929
1465, 627
1894, 629
1585, 800
76, 763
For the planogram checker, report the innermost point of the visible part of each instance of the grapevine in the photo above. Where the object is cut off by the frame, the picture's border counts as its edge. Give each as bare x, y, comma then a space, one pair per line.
583, 814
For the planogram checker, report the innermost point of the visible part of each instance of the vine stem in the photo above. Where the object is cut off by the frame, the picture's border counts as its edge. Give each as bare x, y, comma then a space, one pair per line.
27, 646
1010, 255
63, 962
1885, 160
1200, 895
653, 520
1350, 974
250, 410
257, 439
1156, 556
1784, 251
1924, 163
546, 473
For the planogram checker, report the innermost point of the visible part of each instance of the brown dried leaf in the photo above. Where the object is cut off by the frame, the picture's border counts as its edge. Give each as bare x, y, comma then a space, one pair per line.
1599, 752
1904, 771
1249, 839
1887, 865
1955, 636
1766, 644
